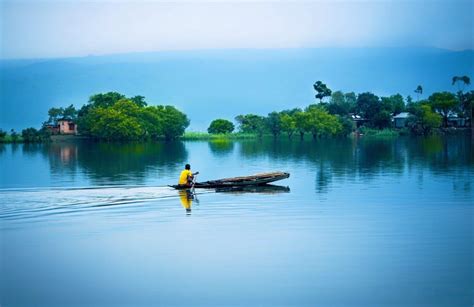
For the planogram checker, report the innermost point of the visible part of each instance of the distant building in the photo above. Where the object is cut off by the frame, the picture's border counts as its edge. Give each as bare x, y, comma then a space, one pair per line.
64, 126
400, 120
67, 126
358, 120
455, 121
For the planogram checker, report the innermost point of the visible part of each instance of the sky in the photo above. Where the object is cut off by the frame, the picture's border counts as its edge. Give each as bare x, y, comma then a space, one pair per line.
48, 29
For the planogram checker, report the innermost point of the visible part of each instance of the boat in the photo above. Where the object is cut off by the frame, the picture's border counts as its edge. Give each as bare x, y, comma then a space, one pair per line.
253, 180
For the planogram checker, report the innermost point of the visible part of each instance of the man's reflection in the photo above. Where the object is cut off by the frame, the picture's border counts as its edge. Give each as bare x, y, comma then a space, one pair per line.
186, 197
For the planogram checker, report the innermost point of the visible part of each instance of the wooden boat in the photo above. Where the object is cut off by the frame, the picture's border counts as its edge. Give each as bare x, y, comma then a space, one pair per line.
253, 180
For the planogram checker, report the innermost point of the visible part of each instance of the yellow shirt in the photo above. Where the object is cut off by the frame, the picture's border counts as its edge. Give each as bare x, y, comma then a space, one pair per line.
183, 178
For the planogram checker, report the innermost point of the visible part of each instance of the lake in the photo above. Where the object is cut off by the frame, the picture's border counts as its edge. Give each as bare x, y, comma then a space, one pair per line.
360, 222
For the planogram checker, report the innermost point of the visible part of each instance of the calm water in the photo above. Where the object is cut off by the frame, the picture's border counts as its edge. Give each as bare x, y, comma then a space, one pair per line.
362, 223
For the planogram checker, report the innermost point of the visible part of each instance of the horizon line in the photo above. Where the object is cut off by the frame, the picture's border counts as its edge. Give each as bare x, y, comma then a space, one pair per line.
224, 49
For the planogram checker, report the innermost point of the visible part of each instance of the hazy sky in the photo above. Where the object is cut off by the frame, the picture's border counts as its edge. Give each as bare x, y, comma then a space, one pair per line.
32, 29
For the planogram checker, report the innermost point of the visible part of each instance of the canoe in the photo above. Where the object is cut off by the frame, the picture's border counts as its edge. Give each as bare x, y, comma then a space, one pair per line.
253, 180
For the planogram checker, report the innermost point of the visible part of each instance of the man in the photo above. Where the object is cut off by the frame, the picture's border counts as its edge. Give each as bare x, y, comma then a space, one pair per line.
186, 177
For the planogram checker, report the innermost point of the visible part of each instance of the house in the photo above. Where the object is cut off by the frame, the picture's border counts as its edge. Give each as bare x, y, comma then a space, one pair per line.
455, 121
400, 120
64, 126
67, 126
358, 120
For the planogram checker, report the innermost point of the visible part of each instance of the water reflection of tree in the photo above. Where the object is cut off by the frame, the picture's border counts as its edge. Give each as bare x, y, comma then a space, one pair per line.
108, 163
112, 162
365, 158
222, 147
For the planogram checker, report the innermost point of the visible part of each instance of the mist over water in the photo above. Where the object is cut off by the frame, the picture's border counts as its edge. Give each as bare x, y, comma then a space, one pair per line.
359, 222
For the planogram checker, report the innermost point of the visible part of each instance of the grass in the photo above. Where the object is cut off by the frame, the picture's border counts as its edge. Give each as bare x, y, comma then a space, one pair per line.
191, 136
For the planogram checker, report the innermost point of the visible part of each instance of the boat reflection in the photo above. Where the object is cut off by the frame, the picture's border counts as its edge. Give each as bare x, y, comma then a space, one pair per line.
263, 189
188, 196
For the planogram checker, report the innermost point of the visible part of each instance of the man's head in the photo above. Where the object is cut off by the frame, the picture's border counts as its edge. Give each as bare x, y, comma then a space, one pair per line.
188, 167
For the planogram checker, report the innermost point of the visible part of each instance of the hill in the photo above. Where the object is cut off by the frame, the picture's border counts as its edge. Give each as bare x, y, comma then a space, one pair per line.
208, 84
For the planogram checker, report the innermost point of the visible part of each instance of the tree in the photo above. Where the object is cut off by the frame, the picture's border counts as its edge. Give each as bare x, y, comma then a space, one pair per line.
320, 122
105, 100
288, 124
443, 103
175, 122
273, 122
14, 136
368, 105
322, 90
220, 126
419, 92
139, 101
152, 122
69, 113
301, 122
54, 115
339, 105
423, 120
461, 81
251, 123
30, 135
3, 135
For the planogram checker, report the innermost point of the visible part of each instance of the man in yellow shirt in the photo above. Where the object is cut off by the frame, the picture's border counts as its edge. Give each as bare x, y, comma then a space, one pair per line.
186, 176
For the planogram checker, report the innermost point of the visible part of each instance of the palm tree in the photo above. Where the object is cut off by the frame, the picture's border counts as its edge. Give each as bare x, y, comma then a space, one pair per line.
418, 91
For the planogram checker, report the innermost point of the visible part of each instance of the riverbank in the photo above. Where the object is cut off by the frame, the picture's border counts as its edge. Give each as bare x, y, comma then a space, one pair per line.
204, 136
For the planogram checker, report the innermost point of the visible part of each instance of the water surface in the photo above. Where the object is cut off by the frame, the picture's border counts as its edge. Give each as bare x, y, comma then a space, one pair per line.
358, 223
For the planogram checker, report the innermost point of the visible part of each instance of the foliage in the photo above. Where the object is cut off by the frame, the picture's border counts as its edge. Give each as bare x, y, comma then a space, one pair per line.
341, 104
220, 126
31, 135
288, 124
320, 122
419, 92
423, 120
274, 123
112, 116
3, 135
251, 123
322, 90
443, 103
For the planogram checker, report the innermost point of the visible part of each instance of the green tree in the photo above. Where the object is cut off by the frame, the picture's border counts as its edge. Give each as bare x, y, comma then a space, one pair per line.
3, 135
31, 135
320, 122
368, 106
322, 90
273, 122
175, 122
461, 81
151, 121
105, 100
220, 126
139, 101
69, 113
54, 115
338, 104
288, 124
419, 92
423, 120
251, 123
443, 103
301, 122
393, 104
14, 136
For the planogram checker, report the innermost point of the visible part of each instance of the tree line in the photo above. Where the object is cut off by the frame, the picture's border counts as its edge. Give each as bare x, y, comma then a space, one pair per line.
336, 116
113, 116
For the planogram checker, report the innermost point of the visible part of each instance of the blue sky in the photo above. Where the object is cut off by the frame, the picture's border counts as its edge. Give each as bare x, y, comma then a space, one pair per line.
36, 29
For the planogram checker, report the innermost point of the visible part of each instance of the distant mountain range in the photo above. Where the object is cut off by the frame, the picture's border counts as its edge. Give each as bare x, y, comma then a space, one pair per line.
212, 84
